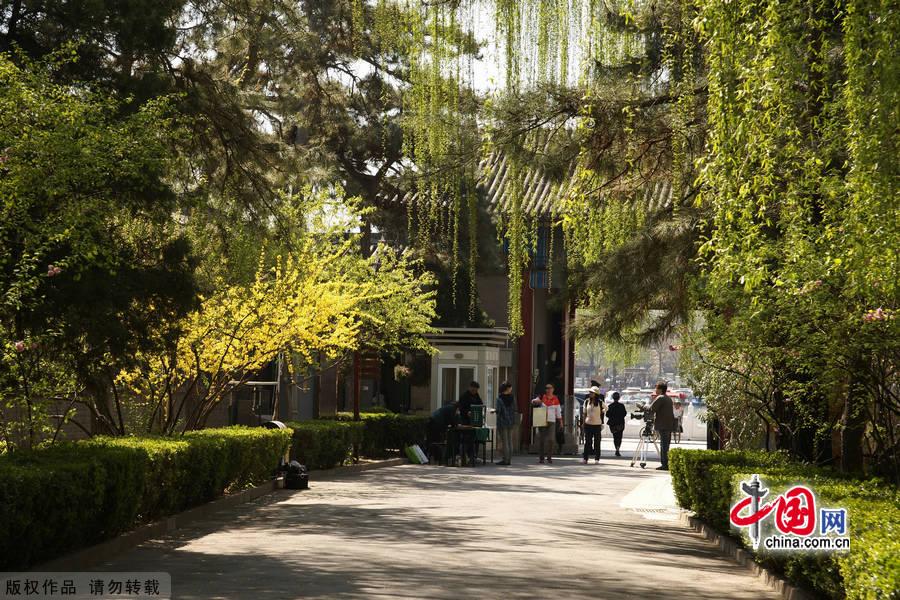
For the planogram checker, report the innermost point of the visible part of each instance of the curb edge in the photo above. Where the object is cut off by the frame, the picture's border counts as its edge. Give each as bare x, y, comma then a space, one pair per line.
733, 551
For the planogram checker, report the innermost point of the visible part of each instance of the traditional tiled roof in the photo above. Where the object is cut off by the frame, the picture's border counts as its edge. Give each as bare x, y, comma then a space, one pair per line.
542, 197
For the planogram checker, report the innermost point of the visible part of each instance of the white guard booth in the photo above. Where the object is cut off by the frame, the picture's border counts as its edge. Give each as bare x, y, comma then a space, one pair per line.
466, 355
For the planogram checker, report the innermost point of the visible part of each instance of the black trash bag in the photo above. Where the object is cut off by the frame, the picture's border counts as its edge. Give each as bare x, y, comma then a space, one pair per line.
297, 476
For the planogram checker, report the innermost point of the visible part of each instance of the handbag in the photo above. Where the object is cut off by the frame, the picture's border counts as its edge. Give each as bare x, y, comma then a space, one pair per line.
412, 455
560, 436
539, 416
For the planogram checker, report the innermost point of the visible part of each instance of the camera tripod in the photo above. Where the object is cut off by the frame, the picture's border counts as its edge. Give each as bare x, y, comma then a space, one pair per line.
647, 437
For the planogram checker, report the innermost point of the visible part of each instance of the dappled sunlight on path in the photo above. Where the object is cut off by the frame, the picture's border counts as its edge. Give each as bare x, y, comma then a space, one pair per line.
565, 530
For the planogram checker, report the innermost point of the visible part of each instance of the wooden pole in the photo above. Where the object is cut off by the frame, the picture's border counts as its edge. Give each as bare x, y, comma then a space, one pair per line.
356, 392
569, 400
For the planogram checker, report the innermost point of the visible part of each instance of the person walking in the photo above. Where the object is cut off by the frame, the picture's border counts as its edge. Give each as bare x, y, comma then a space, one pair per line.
594, 408
663, 423
615, 417
678, 411
547, 434
507, 417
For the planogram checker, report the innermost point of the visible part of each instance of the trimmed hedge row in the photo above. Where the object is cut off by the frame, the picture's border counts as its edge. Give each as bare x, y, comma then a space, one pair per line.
708, 482
75, 494
387, 434
70, 495
324, 444
701, 479
327, 443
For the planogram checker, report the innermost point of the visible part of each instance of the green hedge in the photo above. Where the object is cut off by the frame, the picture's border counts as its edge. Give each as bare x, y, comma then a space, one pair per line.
707, 482
387, 434
327, 443
698, 485
324, 444
70, 495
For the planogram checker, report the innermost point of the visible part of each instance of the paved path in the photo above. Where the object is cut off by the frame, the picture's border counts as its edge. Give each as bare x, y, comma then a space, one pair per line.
561, 531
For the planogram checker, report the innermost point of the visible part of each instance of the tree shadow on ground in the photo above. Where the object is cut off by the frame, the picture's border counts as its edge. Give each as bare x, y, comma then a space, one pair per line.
353, 538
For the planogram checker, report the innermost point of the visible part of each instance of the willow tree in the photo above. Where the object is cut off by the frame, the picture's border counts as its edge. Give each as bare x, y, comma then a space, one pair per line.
736, 159
600, 102
800, 179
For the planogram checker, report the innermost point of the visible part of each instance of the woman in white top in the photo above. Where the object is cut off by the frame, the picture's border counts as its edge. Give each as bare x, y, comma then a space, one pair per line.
678, 411
593, 424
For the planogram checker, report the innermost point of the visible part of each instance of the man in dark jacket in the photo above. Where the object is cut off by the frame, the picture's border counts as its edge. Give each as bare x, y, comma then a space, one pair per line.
663, 422
615, 417
470, 398
440, 421
445, 417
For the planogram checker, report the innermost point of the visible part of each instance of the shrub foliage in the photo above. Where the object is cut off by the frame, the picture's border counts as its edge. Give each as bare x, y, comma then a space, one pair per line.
324, 444
386, 434
71, 495
707, 482
327, 443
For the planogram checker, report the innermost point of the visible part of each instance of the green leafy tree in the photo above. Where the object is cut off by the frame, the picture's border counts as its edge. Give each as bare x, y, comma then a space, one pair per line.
800, 183
619, 144
90, 262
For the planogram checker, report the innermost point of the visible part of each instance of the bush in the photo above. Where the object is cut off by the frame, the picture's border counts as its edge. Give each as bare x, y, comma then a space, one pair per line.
872, 567
707, 482
386, 434
701, 479
324, 444
70, 495
691, 477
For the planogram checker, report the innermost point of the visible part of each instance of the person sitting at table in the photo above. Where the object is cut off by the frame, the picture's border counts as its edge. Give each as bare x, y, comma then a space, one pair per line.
468, 399
444, 418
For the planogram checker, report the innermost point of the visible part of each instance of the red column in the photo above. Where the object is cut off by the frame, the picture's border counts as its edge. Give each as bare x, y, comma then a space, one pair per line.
524, 364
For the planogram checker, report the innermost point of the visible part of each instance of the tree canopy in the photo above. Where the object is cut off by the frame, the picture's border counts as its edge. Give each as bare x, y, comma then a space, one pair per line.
725, 171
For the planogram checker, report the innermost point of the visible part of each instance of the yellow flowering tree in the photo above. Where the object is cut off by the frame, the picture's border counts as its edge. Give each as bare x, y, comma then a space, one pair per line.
322, 300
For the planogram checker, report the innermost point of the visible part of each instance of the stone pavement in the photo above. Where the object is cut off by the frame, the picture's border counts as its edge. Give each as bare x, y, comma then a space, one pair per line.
557, 531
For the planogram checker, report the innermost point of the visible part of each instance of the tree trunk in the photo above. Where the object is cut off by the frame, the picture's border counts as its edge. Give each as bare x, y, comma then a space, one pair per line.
853, 427
853, 422
317, 388
12, 27
365, 239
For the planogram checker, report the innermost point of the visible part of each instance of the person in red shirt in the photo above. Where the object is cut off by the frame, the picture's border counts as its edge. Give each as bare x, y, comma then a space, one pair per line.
547, 434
